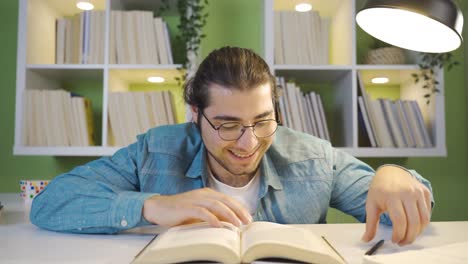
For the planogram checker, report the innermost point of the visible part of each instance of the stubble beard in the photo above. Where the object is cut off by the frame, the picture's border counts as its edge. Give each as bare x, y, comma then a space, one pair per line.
239, 179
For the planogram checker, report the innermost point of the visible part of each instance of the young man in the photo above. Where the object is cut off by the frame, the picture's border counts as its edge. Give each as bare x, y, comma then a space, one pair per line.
232, 163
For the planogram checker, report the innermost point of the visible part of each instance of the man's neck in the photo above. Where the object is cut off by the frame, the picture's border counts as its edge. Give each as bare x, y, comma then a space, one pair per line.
228, 178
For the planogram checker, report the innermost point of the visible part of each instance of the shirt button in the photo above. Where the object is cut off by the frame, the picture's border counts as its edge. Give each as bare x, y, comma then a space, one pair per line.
123, 223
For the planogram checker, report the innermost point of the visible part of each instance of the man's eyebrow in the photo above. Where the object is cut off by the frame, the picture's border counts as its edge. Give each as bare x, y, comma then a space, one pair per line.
233, 118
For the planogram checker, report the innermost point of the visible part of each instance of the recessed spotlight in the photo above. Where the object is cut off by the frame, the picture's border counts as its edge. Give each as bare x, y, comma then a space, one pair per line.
85, 5
156, 79
379, 80
303, 7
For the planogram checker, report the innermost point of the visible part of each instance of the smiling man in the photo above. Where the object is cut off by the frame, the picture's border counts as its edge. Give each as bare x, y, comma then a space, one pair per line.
232, 163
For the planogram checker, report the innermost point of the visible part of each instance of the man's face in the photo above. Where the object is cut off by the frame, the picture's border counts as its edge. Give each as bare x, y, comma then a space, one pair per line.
239, 157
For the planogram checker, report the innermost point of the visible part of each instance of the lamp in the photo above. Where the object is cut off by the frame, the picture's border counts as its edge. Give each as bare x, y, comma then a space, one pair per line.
433, 26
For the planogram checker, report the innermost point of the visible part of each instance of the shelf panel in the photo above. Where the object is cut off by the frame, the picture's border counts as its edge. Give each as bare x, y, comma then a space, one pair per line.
93, 151
395, 152
68, 72
387, 67
97, 151
313, 75
145, 66
310, 67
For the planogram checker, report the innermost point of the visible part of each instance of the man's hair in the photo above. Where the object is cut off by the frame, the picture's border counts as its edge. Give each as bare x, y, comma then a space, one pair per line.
232, 68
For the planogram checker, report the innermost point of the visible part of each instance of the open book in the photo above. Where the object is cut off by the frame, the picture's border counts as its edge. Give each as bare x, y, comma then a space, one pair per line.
230, 244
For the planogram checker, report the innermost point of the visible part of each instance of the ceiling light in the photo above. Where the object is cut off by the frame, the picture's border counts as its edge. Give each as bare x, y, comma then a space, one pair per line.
85, 5
379, 80
427, 26
156, 79
303, 7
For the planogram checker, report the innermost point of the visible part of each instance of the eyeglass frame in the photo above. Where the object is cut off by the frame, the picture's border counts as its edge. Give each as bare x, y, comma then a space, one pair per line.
243, 127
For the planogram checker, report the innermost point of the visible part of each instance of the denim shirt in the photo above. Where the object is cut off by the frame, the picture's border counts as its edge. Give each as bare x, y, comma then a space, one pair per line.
301, 176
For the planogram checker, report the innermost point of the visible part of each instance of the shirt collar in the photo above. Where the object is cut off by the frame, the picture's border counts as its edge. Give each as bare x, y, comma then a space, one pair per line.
268, 173
198, 167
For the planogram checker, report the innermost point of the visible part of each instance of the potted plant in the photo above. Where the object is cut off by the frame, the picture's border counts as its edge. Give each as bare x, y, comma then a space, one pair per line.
430, 62
192, 20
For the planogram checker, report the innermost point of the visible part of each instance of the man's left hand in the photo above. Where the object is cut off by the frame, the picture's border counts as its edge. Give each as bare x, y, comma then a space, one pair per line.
404, 198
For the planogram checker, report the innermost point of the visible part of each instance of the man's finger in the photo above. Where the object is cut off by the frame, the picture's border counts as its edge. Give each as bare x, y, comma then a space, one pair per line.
241, 212
413, 226
204, 215
372, 222
424, 214
397, 214
427, 196
221, 210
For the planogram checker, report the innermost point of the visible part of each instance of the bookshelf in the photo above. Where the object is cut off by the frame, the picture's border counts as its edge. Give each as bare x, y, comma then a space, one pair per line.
37, 70
337, 79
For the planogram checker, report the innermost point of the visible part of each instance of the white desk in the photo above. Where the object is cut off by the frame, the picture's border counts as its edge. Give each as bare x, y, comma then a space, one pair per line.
22, 242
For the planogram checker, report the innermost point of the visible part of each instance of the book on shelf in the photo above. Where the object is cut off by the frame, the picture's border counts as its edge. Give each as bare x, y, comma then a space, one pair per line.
302, 111
133, 113
57, 118
79, 39
301, 38
393, 123
365, 118
421, 124
367, 109
409, 138
230, 244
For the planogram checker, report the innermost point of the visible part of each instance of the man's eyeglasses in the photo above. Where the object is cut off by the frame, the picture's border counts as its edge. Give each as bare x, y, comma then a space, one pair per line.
231, 131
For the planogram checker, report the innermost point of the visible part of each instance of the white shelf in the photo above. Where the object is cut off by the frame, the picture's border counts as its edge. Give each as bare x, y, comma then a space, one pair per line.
338, 80
145, 66
36, 69
65, 151
36, 49
395, 152
311, 67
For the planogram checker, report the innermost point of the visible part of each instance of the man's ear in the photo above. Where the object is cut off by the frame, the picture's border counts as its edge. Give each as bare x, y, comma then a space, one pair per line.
194, 111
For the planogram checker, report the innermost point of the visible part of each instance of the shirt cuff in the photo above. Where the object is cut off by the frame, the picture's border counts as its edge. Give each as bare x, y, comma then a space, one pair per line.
126, 211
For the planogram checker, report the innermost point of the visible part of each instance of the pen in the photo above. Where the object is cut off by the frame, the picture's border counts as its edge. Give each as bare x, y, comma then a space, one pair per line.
374, 248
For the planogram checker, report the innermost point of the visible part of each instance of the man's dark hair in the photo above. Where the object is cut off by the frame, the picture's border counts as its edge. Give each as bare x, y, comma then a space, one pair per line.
230, 67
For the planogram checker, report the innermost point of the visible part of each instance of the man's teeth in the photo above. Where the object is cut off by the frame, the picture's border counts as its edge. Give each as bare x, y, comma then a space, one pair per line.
242, 155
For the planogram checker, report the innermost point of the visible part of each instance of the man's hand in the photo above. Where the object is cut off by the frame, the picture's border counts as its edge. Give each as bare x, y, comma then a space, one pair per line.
407, 201
197, 205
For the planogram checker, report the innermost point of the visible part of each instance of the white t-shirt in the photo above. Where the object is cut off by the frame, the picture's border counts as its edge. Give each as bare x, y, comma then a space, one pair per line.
247, 194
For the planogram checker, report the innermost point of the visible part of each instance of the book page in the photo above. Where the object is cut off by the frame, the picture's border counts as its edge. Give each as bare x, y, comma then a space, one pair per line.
200, 233
193, 242
264, 239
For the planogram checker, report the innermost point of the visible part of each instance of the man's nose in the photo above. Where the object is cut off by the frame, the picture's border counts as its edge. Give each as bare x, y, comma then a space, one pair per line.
248, 140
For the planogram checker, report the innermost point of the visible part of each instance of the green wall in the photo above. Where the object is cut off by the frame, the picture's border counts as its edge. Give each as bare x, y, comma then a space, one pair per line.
237, 23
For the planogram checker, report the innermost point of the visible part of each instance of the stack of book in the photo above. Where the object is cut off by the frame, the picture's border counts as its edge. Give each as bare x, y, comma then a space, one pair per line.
302, 112
301, 38
135, 38
138, 38
57, 118
80, 39
133, 113
390, 124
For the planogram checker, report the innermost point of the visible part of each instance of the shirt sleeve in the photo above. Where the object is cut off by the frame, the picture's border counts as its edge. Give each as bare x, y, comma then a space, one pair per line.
102, 196
351, 182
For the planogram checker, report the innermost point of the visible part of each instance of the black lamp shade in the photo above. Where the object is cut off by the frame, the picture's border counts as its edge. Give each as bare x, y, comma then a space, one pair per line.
421, 25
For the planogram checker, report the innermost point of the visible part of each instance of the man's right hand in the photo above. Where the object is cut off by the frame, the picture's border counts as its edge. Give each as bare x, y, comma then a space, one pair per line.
193, 206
